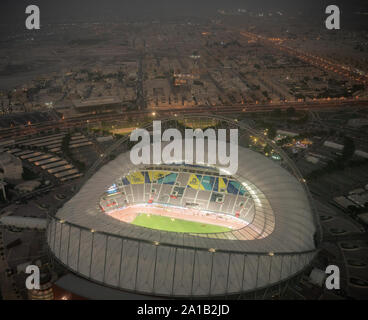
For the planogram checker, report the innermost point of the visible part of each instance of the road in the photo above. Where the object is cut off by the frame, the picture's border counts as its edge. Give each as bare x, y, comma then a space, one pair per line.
322, 63
140, 94
233, 111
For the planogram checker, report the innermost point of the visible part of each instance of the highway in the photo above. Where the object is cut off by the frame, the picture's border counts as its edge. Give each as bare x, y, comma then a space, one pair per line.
232, 111
322, 63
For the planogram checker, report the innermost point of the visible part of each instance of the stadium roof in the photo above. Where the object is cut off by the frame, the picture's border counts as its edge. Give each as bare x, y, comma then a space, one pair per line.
90, 242
294, 227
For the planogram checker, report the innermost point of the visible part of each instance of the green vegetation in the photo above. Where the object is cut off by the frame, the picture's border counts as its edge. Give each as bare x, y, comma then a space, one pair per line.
286, 140
175, 225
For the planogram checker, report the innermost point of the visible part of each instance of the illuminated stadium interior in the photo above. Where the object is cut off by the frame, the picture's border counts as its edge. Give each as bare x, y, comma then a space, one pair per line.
197, 194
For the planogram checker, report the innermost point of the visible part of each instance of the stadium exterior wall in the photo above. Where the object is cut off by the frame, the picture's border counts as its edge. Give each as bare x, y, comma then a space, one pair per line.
169, 270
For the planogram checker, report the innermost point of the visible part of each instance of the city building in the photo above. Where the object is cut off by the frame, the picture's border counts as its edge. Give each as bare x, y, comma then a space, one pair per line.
11, 168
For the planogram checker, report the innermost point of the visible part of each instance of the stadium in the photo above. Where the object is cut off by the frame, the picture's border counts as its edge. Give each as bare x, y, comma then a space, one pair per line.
188, 231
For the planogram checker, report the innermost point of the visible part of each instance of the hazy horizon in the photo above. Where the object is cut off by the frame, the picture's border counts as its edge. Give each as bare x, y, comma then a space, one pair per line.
88, 10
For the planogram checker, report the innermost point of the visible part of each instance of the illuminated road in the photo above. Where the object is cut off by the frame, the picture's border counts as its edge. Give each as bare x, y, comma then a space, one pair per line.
312, 59
232, 111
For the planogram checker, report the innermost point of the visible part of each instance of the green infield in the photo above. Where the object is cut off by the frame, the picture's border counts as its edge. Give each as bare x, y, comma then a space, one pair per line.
175, 225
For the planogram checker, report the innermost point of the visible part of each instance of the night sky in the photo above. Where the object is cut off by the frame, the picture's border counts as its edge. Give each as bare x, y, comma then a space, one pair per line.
312, 12
87, 10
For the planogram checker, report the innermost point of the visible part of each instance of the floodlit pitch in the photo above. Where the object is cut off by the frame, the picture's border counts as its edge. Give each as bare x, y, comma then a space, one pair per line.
175, 225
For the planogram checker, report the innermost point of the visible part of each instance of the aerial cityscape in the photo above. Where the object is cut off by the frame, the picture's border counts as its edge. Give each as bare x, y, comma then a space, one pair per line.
77, 91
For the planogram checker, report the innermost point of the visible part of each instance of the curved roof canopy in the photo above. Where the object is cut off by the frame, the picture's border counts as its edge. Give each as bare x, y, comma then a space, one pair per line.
277, 194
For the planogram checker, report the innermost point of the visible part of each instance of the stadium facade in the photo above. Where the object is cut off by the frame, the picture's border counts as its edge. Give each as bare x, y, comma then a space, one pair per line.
278, 239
